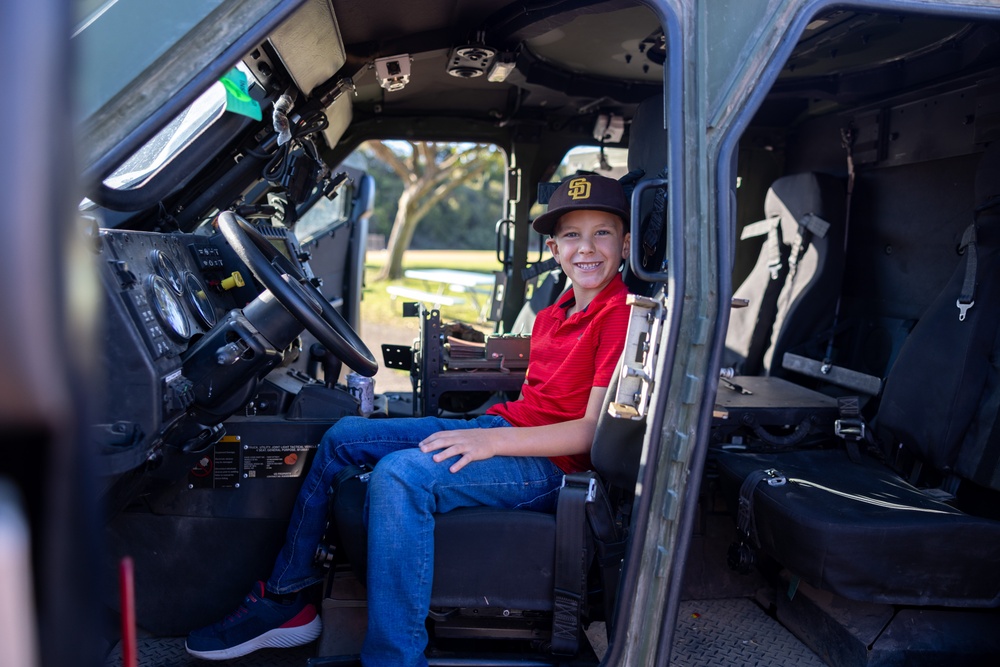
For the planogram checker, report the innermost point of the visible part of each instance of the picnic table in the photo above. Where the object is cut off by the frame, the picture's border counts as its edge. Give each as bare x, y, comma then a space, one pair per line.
477, 286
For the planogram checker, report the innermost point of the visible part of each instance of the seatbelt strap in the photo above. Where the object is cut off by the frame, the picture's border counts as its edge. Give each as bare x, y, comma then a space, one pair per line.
741, 553
967, 297
850, 426
809, 226
610, 542
326, 549
847, 142
538, 268
773, 248
654, 226
572, 559
772, 245
629, 180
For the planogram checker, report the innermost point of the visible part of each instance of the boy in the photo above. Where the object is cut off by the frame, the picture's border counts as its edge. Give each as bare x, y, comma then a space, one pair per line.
514, 456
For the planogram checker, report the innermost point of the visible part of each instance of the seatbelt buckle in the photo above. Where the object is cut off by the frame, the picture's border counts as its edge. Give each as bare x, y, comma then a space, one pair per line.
774, 478
963, 308
579, 480
849, 428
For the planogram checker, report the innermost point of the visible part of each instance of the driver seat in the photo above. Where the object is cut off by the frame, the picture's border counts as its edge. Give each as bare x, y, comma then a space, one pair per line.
518, 574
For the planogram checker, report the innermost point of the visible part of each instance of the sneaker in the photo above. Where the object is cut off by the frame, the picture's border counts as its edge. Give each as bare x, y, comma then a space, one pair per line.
257, 623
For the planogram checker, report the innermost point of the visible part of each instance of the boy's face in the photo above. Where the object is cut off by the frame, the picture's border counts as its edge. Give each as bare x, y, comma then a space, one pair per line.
589, 246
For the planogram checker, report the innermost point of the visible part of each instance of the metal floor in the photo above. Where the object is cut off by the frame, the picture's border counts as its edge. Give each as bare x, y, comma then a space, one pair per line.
735, 632
730, 632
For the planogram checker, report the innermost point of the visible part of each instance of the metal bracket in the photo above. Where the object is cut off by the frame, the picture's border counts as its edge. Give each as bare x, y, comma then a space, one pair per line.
849, 429
774, 478
642, 342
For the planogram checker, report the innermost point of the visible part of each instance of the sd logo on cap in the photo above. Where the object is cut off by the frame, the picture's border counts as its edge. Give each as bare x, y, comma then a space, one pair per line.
579, 188
590, 192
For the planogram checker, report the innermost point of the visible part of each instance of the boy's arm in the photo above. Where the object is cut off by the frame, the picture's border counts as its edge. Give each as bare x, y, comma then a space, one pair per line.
562, 439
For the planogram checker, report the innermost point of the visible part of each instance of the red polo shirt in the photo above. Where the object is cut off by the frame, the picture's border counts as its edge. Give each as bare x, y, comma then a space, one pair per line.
569, 357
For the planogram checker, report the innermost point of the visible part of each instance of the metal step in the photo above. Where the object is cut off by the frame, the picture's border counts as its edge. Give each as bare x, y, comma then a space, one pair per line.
727, 632
709, 632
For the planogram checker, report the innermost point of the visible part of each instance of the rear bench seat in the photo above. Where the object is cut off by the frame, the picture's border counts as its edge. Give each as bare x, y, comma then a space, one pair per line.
857, 528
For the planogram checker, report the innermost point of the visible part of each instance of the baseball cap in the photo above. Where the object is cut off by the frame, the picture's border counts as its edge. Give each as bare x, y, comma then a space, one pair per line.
583, 192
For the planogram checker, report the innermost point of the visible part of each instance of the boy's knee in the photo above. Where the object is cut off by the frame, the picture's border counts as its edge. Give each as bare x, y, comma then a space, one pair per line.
398, 463
344, 429
407, 467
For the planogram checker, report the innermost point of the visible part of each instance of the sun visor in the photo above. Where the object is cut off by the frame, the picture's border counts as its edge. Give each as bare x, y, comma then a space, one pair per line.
305, 48
340, 114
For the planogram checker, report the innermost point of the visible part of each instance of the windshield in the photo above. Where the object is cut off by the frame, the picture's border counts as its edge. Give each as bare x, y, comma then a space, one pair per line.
170, 140
117, 40
140, 63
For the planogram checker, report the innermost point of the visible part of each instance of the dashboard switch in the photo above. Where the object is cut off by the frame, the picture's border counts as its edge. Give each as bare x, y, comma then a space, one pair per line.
235, 280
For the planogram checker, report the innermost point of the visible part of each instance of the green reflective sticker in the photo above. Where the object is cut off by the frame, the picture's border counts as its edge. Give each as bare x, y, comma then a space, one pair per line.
238, 100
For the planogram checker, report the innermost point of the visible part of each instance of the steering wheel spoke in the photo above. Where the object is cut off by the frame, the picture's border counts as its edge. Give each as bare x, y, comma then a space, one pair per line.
302, 300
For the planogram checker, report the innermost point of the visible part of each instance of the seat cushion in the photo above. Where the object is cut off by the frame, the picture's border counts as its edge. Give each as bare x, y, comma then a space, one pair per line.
487, 557
859, 530
483, 556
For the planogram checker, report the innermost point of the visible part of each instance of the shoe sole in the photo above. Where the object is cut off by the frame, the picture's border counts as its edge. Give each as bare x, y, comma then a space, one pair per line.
277, 638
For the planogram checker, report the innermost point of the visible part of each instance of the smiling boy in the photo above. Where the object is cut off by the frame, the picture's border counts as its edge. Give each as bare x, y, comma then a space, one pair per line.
514, 456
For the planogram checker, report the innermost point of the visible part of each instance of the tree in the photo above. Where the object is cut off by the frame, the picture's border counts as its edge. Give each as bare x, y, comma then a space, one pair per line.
429, 172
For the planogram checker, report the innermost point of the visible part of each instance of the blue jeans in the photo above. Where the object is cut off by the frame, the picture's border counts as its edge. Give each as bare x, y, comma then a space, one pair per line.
405, 489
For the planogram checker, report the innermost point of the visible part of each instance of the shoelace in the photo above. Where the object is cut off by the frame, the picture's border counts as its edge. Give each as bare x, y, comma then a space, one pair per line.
242, 610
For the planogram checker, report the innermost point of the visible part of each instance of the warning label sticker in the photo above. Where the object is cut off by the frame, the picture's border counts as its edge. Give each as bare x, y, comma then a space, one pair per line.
274, 461
231, 462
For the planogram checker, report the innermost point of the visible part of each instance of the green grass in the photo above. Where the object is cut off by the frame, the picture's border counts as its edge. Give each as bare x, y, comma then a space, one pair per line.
377, 306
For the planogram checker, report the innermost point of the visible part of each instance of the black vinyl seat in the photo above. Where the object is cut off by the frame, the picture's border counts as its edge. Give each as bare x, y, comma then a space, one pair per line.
861, 531
857, 527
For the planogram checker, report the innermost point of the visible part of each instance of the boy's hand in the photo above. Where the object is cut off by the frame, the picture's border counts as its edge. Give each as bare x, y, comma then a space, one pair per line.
474, 444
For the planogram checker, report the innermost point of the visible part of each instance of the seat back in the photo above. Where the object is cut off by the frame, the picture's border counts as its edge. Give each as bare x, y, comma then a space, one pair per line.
647, 154
546, 292
942, 398
617, 445
793, 288
647, 147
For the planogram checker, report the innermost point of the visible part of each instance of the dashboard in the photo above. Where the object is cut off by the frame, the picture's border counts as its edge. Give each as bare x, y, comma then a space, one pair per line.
163, 293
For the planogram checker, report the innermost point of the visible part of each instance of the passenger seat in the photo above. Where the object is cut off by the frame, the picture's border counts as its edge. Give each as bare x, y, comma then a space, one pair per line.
793, 288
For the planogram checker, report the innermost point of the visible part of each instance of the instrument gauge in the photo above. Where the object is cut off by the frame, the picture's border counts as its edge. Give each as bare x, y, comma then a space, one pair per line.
168, 308
198, 300
166, 268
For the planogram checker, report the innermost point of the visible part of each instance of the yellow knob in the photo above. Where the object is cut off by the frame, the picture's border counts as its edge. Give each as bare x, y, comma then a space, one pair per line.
235, 280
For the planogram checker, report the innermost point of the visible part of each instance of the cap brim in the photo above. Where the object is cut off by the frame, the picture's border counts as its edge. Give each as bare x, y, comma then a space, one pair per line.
546, 222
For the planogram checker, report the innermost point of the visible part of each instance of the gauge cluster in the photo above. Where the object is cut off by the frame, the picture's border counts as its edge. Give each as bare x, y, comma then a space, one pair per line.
165, 286
177, 286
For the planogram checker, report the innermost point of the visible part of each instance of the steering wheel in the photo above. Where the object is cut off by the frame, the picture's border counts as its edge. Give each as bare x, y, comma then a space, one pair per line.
296, 294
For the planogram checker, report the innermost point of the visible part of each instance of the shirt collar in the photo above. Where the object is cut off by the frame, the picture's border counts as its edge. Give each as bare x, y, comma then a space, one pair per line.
609, 292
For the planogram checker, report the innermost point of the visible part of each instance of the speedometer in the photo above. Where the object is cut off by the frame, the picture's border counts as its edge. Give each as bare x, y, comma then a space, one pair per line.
168, 270
199, 301
168, 308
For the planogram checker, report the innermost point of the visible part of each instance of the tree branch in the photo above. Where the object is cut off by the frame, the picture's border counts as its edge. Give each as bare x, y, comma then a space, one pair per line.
388, 156
445, 188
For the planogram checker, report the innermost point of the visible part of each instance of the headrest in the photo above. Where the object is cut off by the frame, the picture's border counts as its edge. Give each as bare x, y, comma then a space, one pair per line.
793, 198
647, 138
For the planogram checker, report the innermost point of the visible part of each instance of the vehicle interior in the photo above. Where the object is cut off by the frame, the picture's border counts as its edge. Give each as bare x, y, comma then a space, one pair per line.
845, 502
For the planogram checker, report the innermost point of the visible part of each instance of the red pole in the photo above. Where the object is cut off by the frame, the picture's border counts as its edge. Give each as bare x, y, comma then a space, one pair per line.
126, 584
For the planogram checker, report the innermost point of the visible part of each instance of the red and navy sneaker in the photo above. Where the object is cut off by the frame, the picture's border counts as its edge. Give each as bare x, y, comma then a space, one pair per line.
257, 623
